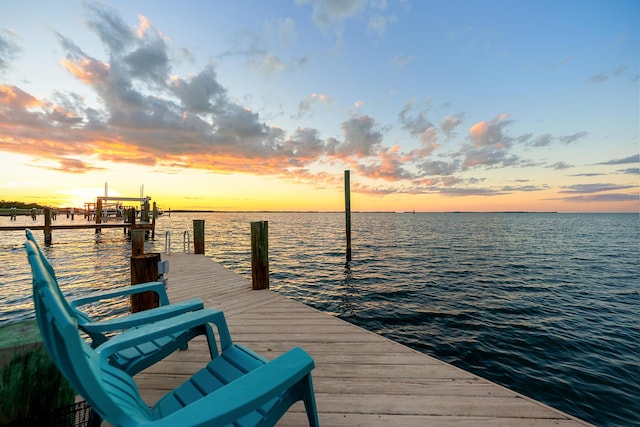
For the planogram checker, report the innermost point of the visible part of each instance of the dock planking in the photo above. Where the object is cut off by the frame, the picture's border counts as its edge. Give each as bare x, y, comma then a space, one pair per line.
360, 379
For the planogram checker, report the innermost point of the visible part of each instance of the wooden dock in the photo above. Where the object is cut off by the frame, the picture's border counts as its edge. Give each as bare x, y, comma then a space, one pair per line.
360, 379
85, 226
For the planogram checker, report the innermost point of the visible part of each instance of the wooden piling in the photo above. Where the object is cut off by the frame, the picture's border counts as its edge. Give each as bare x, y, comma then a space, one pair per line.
198, 236
153, 221
47, 226
144, 215
347, 211
144, 268
260, 255
98, 214
137, 242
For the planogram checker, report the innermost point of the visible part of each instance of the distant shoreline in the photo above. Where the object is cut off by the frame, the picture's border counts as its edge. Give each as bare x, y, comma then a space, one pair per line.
369, 212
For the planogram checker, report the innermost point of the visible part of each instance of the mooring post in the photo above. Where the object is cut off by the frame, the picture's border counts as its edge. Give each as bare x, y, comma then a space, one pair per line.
132, 218
144, 215
198, 236
144, 268
98, 214
153, 221
347, 211
47, 226
260, 255
137, 242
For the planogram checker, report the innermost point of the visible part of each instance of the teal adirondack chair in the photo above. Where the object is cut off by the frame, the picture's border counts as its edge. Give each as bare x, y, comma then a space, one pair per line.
238, 387
132, 359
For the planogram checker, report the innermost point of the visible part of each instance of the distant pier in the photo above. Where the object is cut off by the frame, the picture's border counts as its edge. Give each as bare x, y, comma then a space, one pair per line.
128, 216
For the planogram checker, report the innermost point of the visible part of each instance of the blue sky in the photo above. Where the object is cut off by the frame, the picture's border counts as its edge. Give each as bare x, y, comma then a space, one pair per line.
457, 105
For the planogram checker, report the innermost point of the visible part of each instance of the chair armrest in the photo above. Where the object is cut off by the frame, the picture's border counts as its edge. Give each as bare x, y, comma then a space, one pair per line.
145, 317
162, 328
157, 287
244, 394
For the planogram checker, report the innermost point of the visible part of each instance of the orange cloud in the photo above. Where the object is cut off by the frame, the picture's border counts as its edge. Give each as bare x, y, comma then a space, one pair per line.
145, 24
478, 131
12, 97
86, 69
487, 133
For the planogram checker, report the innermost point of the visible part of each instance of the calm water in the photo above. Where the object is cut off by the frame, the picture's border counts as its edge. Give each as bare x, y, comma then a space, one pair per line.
545, 304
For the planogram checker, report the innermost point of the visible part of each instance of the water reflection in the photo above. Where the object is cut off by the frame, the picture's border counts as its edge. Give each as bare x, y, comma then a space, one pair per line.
346, 306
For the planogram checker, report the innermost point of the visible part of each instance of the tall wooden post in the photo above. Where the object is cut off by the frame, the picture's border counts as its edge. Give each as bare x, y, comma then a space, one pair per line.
153, 221
198, 236
347, 211
98, 214
47, 226
260, 255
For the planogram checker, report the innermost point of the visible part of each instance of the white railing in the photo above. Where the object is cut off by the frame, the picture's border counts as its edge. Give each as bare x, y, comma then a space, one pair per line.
186, 242
167, 242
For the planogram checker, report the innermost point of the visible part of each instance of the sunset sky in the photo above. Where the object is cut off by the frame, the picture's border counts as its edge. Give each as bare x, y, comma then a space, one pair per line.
471, 105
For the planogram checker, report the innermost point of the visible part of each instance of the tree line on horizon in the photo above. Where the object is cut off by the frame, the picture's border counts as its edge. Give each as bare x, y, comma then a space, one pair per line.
5, 204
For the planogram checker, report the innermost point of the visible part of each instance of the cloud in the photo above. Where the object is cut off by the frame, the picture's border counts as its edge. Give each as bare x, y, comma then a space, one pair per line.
488, 156
542, 140
416, 124
361, 138
471, 191
489, 145
258, 53
619, 72
8, 50
150, 61
401, 60
450, 122
596, 198
286, 30
523, 188
73, 166
589, 174
560, 166
634, 158
379, 23
547, 139
306, 106
332, 13
490, 133
569, 139
305, 146
593, 188
420, 127
200, 93
630, 171
110, 27
387, 165
438, 167
599, 78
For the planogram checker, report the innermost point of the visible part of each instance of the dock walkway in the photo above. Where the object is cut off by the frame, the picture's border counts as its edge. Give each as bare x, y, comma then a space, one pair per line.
360, 379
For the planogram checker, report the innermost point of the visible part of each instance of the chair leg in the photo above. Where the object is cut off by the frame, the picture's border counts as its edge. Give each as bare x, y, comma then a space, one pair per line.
310, 402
